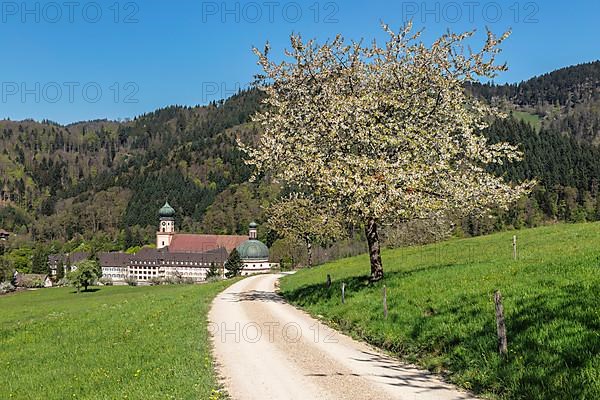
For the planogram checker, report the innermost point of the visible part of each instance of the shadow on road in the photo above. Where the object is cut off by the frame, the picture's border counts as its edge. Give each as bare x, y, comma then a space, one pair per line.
257, 295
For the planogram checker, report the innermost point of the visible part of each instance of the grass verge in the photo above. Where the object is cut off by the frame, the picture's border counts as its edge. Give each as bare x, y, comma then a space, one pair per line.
441, 312
112, 343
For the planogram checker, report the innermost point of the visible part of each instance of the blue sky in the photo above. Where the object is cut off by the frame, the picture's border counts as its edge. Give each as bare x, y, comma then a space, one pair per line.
77, 60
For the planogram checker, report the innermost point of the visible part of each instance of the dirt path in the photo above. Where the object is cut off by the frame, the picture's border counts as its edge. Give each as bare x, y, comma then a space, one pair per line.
267, 349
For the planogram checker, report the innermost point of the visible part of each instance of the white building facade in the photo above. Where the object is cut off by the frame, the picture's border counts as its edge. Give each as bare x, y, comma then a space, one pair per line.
186, 257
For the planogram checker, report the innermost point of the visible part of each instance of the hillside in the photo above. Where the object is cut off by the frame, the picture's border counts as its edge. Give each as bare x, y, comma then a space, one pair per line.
441, 312
103, 180
566, 100
68, 176
555, 121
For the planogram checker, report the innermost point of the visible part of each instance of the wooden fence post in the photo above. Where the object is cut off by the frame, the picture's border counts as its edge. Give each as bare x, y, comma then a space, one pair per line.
514, 247
343, 293
385, 307
328, 281
500, 325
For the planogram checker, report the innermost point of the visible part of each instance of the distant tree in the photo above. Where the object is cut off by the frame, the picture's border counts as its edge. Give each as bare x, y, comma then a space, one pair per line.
60, 270
68, 264
85, 275
302, 219
20, 259
213, 271
128, 240
6, 270
271, 237
39, 260
234, 264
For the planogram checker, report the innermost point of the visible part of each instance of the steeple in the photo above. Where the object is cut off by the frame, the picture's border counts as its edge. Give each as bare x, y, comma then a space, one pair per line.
166, 211
252, 230
166, 226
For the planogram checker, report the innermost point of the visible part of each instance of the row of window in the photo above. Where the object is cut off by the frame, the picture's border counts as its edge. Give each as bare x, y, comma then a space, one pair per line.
187, 263
152, 270
258, 265
140, 263
194, 273
141, 268
113, 269
184, 269
181, 265
117, 276
145, 272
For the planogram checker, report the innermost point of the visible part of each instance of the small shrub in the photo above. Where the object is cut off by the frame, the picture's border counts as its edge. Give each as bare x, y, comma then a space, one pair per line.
63, 282
176, 279
105, 281
155, 281
213, 271
131, 281
213, 279
33, 283
6, 287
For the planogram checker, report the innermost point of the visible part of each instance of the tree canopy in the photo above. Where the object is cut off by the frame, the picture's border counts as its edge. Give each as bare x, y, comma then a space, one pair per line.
381, 134
85, 274
233, 265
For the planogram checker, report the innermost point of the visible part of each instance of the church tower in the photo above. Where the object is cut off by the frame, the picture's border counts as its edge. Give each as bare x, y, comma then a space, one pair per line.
252, 231
166, 227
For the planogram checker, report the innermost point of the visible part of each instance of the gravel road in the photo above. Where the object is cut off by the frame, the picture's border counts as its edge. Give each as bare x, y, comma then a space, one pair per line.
267, 349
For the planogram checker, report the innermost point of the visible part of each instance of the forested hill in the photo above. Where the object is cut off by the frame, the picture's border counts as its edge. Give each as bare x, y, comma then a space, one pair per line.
62, 181
107, 179
566, 100
565, 87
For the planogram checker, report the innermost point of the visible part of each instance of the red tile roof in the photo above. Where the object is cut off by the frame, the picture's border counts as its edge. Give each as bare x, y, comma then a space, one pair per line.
185, 242
160, 257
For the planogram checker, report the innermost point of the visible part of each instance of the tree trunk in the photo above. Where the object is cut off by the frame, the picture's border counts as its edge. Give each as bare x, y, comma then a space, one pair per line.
374, 251
309, 251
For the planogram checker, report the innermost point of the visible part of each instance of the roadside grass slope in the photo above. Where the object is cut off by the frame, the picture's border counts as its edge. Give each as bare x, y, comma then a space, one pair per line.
441, 310
112, 343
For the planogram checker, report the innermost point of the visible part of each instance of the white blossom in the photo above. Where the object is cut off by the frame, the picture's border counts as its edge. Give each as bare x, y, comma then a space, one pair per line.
383, 133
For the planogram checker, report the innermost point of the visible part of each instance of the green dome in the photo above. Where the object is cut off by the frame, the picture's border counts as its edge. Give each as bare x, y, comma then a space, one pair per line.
253, 249
253, 225
166, 211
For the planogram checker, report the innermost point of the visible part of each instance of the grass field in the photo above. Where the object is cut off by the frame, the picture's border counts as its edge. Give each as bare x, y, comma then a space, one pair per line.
441, 312
532, 119
114, 343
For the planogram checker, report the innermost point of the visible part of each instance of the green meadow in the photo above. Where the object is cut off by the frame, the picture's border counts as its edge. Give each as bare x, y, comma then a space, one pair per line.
116, 342
532, 119
441, 310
